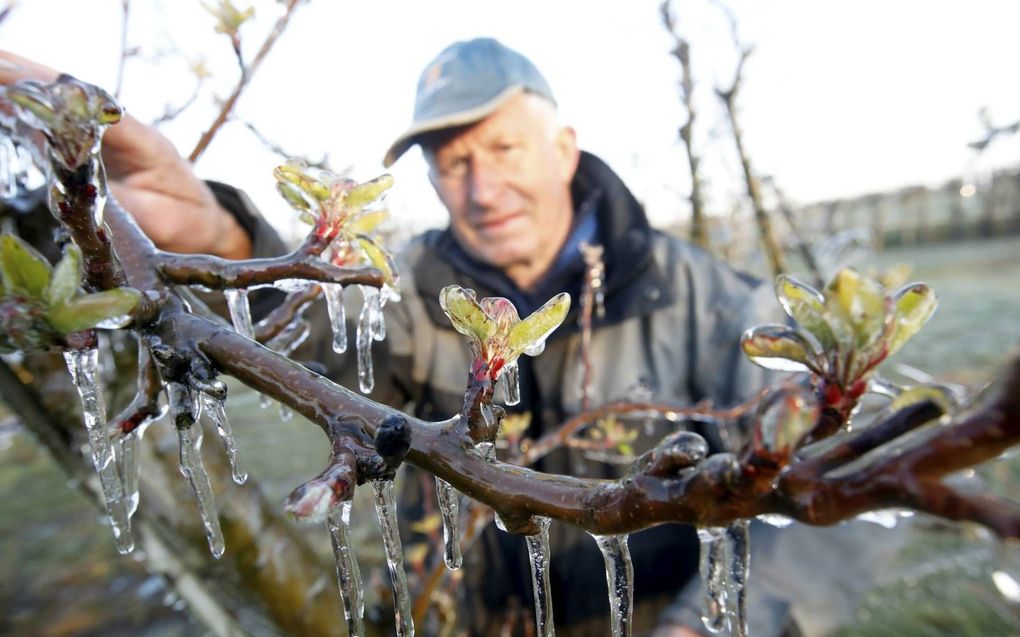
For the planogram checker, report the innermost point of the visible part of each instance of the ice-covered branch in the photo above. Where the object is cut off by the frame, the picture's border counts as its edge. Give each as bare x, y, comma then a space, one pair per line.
216, 273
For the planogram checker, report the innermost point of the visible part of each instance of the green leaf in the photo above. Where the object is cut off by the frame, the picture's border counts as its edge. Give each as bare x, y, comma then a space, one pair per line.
365, 193
805, 305
379, 259
529, 335
367, 221
779, 347
109, 308
858, 309
914, 304
293, 196
29, 98
294, 174
784, 416
465, 314
25, 271
66, 277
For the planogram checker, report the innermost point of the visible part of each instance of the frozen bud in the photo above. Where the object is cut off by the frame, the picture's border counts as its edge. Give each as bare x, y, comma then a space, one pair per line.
312, 501
784, 416
393, 440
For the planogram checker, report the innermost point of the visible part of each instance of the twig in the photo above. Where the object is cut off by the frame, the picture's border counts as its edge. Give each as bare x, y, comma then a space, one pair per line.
124, 53
322, 164
246, 75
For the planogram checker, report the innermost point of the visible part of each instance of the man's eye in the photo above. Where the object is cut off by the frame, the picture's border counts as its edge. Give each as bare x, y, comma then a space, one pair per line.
454, 167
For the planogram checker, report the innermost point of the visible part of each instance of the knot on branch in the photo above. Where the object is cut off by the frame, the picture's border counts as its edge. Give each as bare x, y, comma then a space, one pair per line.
678, 451
392, 442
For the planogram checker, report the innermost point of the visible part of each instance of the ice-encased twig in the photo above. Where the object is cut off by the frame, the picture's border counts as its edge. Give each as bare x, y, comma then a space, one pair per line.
334, 293
366, 330
620, 579
240, 311
84, 367
189, 435
214, 408
511, 383
449, 509
386, 509
538, 551
347, 572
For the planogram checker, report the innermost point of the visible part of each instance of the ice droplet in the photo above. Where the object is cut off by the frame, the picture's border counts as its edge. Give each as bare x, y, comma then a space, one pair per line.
189, 436
374, 302
8, 171
84, 367
725, 563
511, 384
347, 572
366, 380
776, 520
240, 312
214, 409
386, 509
538, 551
620, 578
334, 293
449, 509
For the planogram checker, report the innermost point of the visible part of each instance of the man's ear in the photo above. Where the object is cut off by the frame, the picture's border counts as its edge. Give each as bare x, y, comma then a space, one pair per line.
569, 153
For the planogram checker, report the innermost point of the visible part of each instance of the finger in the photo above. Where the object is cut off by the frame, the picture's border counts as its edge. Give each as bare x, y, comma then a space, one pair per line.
14, 67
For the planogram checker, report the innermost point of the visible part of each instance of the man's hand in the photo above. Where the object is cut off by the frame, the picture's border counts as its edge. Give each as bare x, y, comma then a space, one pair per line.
151, 180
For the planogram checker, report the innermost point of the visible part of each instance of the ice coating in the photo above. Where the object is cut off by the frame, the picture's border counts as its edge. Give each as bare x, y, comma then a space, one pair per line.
8, 169
84, 367
449, 510
334, 293
365, 335
240, 312
347, 572
538, 552
725, 563
189, 436
374, 300
620, 579
511, 384
386, 509
215, 410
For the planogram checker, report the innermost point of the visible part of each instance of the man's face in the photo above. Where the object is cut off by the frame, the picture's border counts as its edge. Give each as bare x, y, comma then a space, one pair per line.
506, 182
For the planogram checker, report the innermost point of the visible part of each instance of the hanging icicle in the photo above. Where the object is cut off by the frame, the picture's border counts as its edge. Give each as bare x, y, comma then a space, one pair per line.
347, 572
510, 380
449, 509
215, 410
386, 509
184, 414
240, 312
334, 293
84, 367
713, 578
366, 379
538, 551
620, 578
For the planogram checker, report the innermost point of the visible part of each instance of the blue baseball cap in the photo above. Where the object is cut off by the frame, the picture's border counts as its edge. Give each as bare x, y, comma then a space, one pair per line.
464, 84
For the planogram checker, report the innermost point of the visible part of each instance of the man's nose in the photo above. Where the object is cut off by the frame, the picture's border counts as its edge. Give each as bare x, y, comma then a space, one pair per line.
484, 185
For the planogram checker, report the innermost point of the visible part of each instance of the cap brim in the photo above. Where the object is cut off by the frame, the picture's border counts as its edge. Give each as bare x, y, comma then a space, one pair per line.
461, 118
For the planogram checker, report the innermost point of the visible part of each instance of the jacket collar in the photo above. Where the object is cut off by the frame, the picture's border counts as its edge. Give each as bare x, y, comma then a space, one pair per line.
634, 284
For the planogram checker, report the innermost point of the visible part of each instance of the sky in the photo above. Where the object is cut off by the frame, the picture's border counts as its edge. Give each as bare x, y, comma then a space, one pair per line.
839, 99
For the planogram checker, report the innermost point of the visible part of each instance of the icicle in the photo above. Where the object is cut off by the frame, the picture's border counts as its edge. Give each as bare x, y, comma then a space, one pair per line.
386, 509
488, 451
374, 302
620, 578
8, 169
84, 367
449, 509
286, 413
189, 435
334, 293
347, 572
511, 384
538, 550
240, 312
713, 575
214, 409
739, 554
366, 381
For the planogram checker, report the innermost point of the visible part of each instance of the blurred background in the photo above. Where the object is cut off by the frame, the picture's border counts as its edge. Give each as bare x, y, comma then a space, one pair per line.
883, 134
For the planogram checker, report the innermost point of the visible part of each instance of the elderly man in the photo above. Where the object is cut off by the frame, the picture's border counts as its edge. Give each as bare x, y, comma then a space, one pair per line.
522, 198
